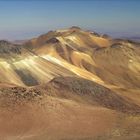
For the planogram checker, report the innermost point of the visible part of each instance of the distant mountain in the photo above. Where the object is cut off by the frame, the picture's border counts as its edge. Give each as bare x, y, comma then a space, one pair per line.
135, 38
19, 41
7, 47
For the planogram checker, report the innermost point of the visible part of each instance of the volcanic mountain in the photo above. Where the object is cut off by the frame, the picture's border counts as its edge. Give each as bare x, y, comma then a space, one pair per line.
70, 84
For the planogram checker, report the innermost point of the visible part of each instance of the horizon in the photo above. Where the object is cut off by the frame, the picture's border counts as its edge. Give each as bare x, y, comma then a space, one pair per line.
27, 19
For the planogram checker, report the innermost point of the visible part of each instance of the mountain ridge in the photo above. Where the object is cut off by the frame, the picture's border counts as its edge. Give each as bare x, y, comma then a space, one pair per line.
81, 82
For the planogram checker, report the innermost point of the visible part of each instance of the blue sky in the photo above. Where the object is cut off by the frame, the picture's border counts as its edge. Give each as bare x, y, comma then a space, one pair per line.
20, 19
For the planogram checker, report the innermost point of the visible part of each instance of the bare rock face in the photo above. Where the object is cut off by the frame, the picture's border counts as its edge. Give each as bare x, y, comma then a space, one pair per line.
52, 40
75, 27
7, 47
11, 97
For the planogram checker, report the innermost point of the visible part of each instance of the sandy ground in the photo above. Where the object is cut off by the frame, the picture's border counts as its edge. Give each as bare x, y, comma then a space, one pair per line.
61, 119
55, 119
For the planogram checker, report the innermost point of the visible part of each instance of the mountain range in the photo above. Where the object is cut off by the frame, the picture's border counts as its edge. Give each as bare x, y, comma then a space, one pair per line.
70, 84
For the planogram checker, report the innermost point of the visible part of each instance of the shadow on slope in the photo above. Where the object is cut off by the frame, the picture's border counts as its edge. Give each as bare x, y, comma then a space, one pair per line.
90, 92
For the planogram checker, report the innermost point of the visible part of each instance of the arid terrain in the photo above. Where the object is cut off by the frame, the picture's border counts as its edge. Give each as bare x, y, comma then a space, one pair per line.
70, 84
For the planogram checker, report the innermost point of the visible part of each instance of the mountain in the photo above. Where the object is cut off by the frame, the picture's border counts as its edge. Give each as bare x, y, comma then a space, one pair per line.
96, 55
20, 66
70, 84
133, 38
19, 42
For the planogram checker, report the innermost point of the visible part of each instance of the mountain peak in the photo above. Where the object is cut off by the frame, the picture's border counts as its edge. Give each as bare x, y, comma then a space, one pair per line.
4, 42
75, 27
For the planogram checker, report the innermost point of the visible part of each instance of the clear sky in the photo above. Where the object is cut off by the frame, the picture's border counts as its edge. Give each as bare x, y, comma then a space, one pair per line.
20, 19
